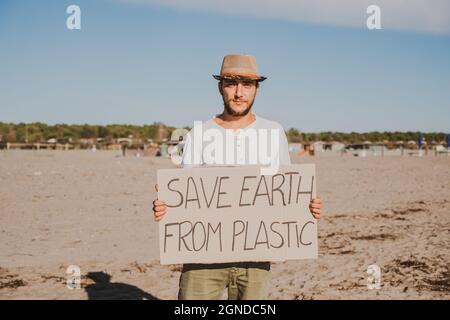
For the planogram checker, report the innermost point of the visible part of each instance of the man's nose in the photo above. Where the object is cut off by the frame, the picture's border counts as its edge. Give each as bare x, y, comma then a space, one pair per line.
238, 91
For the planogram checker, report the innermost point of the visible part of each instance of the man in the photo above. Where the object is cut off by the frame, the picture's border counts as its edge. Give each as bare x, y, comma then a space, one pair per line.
238, 85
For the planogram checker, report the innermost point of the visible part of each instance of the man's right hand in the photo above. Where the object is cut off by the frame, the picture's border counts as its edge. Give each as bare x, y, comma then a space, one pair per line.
159, 209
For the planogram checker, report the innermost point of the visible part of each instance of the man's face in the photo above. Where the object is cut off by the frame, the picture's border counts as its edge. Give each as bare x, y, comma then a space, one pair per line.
238, 96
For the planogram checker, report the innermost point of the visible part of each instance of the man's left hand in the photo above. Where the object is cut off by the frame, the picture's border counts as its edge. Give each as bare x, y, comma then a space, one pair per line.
315, 205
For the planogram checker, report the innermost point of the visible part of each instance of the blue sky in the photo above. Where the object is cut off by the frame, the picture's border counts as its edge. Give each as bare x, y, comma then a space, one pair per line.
143, 62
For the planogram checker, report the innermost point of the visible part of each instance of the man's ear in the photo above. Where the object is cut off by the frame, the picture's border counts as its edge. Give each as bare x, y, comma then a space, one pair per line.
219, 85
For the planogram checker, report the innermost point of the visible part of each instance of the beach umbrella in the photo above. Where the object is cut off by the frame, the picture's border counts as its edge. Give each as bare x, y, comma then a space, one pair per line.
420, 142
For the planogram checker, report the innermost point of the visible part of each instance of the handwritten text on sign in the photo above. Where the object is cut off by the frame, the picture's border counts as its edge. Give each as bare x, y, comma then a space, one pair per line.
225, 214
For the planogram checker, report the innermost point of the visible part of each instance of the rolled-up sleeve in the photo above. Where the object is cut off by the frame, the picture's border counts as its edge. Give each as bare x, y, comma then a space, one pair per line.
192, 153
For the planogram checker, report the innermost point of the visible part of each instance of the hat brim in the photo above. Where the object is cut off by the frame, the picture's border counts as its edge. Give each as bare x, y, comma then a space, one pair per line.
238, 77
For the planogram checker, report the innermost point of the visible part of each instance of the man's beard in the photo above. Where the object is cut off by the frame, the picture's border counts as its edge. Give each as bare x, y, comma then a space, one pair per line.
232, 112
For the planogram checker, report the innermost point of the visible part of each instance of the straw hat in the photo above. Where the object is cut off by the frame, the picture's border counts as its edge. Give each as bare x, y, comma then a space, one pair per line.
239, 66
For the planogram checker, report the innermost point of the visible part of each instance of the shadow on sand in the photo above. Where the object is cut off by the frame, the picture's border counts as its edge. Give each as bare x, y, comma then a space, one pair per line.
104, 289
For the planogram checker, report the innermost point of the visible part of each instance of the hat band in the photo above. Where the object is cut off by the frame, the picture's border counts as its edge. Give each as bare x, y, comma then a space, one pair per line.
251, 76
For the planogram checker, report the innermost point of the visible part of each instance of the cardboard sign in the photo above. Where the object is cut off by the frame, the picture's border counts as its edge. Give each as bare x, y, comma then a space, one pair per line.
228, 214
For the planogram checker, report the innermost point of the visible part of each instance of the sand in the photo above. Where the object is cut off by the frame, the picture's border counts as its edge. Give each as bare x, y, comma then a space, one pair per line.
93, 209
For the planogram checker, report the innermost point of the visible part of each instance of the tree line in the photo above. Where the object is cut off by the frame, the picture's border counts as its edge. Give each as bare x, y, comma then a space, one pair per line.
295, 135
41, 132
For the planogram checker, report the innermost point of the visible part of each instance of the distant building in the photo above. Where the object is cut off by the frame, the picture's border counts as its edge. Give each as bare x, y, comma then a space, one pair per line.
125, 140
294, 147
318, 146
337, 146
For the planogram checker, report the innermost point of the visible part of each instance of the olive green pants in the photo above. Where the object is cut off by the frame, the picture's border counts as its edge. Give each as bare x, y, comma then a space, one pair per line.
210, 284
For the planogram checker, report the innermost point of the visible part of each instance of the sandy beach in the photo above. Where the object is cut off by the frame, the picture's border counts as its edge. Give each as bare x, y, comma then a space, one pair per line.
93, 210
